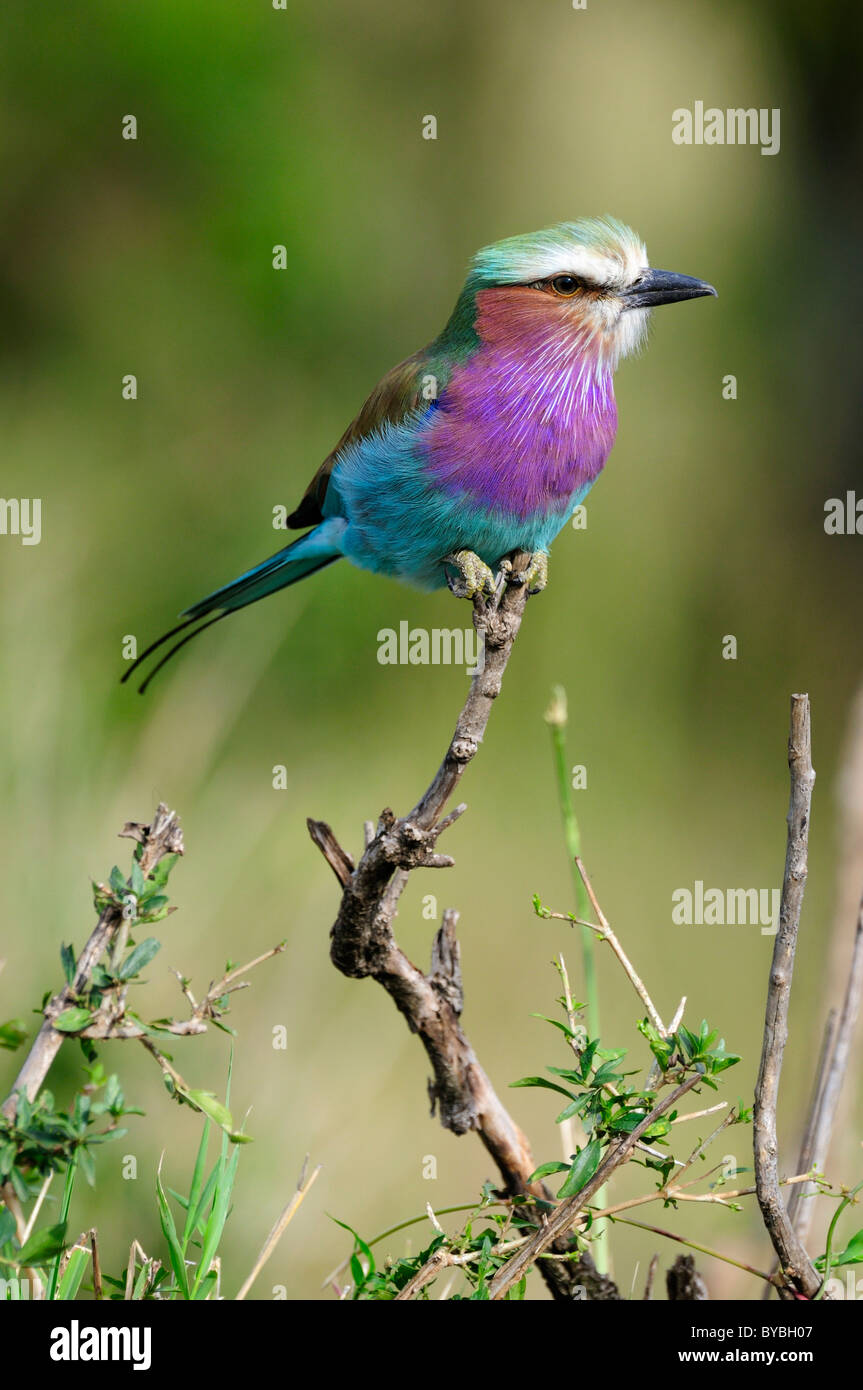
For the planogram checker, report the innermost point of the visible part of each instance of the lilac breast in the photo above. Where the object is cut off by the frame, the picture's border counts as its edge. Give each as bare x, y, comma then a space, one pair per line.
530, 418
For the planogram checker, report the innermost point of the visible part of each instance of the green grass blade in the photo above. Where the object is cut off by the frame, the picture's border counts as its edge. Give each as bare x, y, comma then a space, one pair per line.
70, 1281
197, 1186
68, 1188
218, 1216
169, 1230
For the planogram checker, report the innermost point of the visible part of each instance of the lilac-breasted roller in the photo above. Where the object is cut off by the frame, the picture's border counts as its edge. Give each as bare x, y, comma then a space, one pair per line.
484, 442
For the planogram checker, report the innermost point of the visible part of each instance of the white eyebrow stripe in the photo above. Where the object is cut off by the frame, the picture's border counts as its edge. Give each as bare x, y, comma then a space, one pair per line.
586, 265
604, 252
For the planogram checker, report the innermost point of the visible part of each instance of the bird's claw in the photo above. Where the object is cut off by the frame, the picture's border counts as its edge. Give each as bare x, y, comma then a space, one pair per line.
475, 577
536, 575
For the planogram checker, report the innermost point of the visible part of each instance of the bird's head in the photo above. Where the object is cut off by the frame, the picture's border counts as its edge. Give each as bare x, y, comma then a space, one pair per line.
587, 283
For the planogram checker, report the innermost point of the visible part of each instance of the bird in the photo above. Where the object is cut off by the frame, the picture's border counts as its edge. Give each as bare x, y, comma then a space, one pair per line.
484, 442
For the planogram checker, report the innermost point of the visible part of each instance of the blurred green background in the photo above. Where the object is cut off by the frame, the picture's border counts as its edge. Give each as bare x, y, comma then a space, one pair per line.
154, 257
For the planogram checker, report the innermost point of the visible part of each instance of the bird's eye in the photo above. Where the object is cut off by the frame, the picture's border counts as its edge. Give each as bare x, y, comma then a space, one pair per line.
566, 285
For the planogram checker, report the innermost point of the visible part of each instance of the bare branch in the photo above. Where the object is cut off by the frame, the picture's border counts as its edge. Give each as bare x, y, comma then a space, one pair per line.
605, 933
363, 943
832, 1072
799, 1273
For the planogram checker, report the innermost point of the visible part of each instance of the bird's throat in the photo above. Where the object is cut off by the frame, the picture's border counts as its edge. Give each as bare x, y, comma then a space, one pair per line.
529, 419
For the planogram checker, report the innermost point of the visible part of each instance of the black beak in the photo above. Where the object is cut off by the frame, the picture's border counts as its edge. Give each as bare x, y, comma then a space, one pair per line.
663, 287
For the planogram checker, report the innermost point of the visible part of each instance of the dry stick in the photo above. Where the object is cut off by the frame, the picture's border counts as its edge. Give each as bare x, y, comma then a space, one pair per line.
800, 1216
362, 938
363, 943
807, 1145
279, 1228
109, 1027
446, 1259
163, 836
37, 1207
799, 1274
698, 1114
699, 1149
606, 934
567, 1127
562, 1219
822, 1119
693, 1245
97, 1268
678, 1194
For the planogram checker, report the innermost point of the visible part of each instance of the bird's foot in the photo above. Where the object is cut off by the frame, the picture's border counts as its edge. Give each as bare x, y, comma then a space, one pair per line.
535, 576
537, 573
475, 577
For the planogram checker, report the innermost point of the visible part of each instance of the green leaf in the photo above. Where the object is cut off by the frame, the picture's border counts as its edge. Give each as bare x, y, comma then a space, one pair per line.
104, 1135
12, 1034
169, 1230
197, 1186
606, 1073
546, 1169
204, 1204
137, 879
574, 1108
8, 1155
137, 959
7, 1225
72, 1020
159, 876
19, 1185
226, 1173
586, 1059
556, 1023
541, 1081
87, 1166
721, 1061
851, 1255
141, 1281
206, 1287
70, 1282
583, 1168
43, 1246
67, 960
155, 907
363, 1250
625, 1124
118, 881
207, 1102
